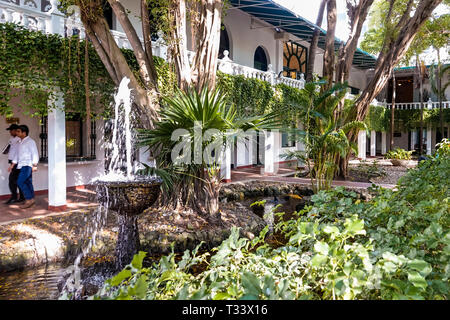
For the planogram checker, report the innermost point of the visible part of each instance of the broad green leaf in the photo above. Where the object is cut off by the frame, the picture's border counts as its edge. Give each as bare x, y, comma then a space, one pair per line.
121, 276
141, 287
331, 230
251, 284
417, 280
221, 296
321, 247
318, 260
355, 226
137, 260
423, 267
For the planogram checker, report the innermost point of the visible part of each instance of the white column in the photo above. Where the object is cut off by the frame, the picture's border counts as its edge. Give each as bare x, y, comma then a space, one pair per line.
56, 152
269, 152
429, 140
56, 138
373, 143
413, 139
362, 144
241, 152
383, 143
225, 165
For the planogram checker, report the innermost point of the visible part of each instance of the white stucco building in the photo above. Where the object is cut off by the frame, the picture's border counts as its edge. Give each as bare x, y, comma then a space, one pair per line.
260, 39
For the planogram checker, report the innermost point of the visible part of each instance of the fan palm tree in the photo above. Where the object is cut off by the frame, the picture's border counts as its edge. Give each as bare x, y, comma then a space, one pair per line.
205, 122
324, 136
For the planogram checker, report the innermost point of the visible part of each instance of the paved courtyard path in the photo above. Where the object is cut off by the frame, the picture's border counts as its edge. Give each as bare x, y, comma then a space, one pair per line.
76, 200
85, 198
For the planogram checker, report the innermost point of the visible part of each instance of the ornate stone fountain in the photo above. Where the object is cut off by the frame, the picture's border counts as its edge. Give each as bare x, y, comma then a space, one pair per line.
128, 199
120, 191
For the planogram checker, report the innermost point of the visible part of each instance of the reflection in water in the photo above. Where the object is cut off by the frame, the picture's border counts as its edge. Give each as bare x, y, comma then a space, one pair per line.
31, 284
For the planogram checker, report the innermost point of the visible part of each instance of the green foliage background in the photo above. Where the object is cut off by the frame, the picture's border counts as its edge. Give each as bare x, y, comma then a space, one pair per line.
395, 246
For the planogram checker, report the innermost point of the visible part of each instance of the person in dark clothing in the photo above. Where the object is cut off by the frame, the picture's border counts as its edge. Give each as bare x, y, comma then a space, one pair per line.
14, 174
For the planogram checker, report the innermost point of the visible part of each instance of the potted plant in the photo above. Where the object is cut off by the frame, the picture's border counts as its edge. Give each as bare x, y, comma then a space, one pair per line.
399, 157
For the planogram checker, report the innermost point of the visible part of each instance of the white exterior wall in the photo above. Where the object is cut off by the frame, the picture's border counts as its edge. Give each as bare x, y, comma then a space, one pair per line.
76, 174
244, 40
134, 15
358, 78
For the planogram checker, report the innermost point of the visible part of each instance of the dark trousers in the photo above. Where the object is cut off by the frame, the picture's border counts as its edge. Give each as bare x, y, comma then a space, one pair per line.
13, 176
25, 182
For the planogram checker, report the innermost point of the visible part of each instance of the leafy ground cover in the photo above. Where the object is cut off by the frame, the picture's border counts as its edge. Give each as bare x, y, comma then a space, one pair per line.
394, 246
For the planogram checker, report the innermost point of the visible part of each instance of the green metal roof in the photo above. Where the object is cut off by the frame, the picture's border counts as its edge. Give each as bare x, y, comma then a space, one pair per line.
281, 17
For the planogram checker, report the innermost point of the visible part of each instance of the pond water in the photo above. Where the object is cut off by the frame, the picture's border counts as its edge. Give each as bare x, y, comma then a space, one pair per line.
31, 284
41, 283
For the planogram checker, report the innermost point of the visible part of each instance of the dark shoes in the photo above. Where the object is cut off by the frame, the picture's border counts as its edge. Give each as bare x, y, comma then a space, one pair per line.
12, 200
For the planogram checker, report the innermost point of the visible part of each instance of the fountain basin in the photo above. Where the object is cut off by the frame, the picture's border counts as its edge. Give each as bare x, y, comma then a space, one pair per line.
128, 197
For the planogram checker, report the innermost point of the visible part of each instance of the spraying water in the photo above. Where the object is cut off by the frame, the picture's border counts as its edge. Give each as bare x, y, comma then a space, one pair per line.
116, 172
121, 124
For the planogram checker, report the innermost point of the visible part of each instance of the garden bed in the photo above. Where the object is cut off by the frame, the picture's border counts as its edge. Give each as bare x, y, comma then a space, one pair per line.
60, 238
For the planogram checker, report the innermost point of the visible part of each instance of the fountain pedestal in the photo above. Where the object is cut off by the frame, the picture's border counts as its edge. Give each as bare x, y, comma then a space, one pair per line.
128, 199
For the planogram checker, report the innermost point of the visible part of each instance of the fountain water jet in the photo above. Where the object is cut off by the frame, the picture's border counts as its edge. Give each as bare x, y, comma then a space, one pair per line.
120, 191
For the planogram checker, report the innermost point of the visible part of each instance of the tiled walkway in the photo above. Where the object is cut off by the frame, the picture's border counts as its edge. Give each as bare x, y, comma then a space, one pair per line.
285, 175
76, 200
84, 199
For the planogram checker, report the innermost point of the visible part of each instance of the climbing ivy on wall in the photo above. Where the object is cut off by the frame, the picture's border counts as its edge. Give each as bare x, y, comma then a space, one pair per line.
33, 65
256, 97
379, 118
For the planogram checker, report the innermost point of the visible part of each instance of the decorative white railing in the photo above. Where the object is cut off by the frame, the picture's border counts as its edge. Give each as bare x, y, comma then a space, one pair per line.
26, 15
417, 105
226, 65
31, 15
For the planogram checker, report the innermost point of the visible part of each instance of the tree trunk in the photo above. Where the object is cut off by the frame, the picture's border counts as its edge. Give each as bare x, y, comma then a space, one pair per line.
421, 112
144, 89
391, 134
206, 19
314, 43
208, 41
393, 50
178, 43
439, 87
87, 92
329, 55
357, 15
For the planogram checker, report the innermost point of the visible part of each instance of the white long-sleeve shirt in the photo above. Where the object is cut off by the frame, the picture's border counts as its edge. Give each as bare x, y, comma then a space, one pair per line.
27, 153
14, 146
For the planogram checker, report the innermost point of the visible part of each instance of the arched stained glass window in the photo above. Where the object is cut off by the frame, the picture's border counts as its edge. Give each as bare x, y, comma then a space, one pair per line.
294, 60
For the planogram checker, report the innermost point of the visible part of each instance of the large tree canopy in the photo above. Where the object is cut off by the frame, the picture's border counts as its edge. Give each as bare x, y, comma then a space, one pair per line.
174, 16
433, 34
403, 18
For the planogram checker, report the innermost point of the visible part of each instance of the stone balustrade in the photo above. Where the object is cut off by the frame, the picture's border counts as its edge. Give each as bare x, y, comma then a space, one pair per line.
26, 15
226, 65
417, 105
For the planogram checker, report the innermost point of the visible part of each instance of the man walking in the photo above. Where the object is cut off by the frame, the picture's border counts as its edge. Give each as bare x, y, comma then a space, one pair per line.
14, 174
26, 158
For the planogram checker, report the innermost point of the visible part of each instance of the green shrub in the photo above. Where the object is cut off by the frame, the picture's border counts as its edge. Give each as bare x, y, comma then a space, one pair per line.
394, 246
399, 154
